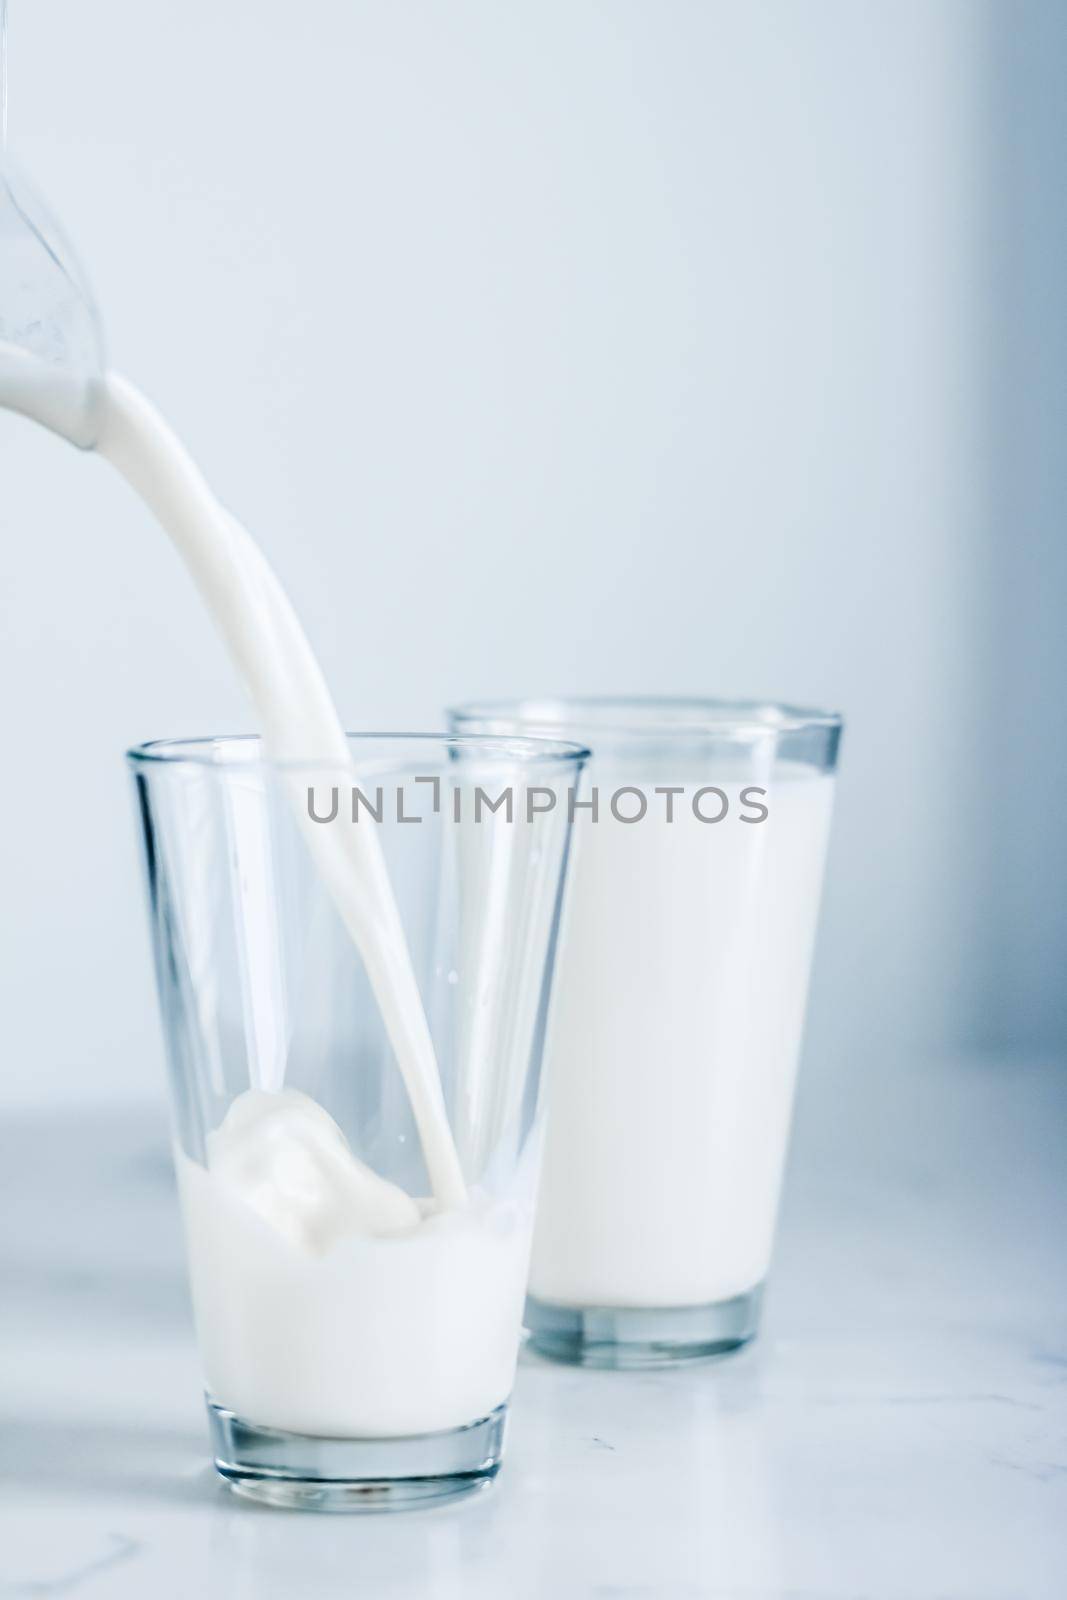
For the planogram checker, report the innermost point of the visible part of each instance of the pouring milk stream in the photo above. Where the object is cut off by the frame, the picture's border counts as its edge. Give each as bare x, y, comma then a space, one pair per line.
299, 721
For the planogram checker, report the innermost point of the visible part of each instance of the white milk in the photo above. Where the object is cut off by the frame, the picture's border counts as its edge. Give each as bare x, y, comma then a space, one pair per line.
299, 721
315, 1314
286, 685
327, 1300
679, 1003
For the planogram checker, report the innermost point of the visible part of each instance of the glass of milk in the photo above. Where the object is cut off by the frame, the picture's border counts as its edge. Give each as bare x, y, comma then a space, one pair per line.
687, 938
354, 964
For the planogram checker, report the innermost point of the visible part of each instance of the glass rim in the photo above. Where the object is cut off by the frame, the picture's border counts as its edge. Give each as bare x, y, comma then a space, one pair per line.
200, 751
650, 715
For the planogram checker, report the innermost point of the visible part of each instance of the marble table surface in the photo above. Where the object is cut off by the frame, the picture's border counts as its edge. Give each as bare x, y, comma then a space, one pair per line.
899, 1431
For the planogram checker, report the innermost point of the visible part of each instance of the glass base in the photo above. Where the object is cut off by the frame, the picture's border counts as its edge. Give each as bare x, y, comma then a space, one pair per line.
642, 1336
304, 1472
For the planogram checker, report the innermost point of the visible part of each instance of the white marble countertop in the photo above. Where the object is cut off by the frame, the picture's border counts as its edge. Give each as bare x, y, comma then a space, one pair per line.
899, 1431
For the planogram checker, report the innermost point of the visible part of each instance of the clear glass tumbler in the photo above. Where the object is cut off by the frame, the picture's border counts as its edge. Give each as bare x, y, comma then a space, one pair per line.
676, 1024
354, 966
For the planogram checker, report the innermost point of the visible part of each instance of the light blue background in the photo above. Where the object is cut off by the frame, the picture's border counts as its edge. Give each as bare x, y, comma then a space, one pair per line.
570, 347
